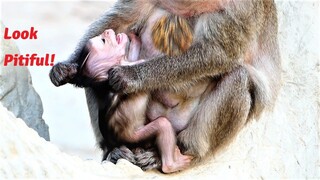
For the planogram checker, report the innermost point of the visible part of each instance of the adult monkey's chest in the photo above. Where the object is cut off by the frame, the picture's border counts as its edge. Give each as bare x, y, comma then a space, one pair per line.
165, 33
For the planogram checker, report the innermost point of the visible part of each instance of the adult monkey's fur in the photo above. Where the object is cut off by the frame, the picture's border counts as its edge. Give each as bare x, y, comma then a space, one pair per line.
233, 40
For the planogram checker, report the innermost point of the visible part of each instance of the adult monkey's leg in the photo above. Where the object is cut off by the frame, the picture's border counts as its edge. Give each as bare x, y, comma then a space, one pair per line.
219, 116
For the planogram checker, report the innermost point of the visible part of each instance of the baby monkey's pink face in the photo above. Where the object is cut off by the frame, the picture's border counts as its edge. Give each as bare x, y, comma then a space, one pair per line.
108, 46
105, 51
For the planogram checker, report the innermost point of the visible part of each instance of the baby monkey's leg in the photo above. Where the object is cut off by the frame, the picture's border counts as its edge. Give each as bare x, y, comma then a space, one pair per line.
172, 159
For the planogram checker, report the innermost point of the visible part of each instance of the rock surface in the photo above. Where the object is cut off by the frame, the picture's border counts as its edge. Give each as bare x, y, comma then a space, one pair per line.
282, 144
17, 92
23, 154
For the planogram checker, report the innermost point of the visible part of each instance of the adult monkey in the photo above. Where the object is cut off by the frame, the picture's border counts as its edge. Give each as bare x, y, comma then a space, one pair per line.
232, 39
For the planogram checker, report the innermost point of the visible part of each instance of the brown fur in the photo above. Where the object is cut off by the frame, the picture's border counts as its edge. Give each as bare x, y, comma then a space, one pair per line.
172, 35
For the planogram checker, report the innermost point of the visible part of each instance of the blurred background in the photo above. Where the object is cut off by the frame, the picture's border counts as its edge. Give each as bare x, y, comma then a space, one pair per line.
60, 26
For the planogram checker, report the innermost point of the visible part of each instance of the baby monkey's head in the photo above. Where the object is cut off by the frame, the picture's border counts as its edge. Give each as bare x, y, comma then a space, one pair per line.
108, 45
103, 51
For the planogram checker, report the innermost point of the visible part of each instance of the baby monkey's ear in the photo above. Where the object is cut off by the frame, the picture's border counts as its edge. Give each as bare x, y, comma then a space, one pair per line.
172, 35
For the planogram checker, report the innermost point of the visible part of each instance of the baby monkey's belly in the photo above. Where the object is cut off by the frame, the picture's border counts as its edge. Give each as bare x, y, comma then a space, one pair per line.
177, 107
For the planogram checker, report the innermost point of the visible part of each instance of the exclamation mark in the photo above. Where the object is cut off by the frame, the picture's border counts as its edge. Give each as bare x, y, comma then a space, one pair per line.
52, 59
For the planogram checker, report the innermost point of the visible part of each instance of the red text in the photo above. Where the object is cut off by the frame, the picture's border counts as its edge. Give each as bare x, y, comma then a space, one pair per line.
29, 60
31, 34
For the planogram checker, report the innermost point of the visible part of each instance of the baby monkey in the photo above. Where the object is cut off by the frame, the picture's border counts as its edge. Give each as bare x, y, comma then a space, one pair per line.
129, 121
